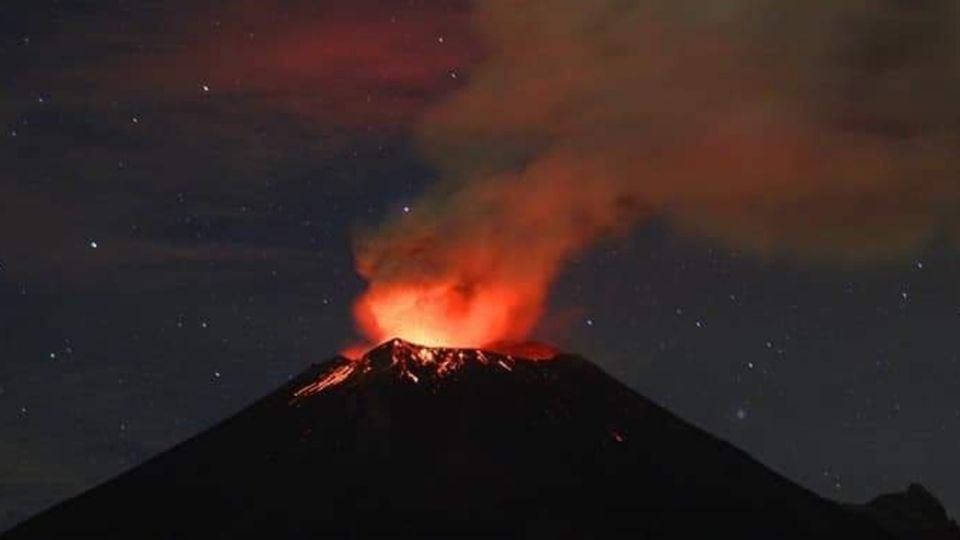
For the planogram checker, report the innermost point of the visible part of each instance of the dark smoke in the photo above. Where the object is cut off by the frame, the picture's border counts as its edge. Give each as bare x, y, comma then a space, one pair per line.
810, 129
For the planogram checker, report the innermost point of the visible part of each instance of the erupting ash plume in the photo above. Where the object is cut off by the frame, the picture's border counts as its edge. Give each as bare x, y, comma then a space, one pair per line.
474, 270
801, 128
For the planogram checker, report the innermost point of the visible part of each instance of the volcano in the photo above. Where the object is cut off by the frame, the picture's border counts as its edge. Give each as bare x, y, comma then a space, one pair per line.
412, 441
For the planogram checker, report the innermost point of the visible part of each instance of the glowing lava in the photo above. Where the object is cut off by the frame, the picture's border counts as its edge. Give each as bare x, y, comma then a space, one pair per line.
418, 364
447, 314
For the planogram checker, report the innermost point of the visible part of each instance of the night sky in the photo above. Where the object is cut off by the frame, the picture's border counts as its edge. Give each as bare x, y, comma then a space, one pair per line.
183, 183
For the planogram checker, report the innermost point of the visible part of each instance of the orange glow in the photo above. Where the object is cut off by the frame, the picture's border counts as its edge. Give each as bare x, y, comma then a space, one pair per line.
529, 350
333, 378
444, 314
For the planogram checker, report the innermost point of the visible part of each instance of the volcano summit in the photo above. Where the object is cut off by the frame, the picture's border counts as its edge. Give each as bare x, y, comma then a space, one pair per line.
448, 443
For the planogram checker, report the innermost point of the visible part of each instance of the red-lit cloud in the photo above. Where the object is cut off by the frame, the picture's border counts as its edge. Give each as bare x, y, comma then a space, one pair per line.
370, 64
803, 129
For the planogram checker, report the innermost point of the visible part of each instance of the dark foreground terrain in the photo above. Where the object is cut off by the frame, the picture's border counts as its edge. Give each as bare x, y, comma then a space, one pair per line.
412, 442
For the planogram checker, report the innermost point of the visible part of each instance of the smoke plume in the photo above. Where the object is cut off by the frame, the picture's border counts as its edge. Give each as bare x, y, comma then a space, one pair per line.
792, 128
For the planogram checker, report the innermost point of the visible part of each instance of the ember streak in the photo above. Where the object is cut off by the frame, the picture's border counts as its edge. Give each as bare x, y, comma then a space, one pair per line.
421, 364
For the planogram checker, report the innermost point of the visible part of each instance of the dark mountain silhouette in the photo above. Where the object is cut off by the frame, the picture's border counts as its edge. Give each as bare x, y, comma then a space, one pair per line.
444, 443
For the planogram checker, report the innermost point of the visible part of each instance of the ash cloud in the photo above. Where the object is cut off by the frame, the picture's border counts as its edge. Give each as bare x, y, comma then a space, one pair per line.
810, 130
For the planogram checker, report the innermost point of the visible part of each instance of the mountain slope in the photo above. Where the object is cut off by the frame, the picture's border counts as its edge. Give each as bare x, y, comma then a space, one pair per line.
451, 443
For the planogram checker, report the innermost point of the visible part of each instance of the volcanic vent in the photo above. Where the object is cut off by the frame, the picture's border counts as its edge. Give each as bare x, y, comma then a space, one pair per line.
429, 365
423, 442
